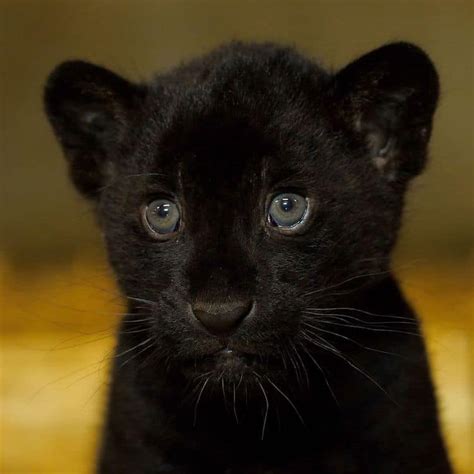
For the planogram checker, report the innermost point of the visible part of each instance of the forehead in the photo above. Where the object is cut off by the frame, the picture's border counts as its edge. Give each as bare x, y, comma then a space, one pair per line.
222, 153
229, 131
222, 156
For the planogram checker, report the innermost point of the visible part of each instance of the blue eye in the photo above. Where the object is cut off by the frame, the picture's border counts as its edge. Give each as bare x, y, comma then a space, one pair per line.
288, 211
161, 218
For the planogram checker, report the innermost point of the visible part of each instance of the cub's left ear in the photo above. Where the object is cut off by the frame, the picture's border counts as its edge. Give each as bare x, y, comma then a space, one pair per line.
389, 97
91, 109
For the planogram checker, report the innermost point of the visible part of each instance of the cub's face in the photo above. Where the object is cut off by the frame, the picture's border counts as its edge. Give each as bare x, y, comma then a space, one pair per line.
239, 193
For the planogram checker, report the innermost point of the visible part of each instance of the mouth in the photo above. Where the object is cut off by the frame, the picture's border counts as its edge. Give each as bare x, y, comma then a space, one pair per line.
230, 359
226, 362
233, 364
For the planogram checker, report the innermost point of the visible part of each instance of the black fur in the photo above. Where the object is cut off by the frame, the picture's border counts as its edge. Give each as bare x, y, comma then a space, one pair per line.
328, 374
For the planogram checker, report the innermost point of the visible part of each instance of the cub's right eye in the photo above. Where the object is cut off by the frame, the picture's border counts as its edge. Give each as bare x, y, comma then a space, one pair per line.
161, 219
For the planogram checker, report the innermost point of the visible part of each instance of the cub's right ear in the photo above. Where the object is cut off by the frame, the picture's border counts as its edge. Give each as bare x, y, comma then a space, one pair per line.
90, 109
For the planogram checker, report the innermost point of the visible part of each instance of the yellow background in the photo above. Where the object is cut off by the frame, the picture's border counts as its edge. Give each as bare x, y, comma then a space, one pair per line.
59, 306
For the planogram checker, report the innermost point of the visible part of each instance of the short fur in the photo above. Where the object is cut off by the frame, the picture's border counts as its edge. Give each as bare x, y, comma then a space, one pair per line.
329, 374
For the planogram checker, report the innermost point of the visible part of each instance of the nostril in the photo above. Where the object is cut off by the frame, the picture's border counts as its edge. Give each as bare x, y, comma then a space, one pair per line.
221, 318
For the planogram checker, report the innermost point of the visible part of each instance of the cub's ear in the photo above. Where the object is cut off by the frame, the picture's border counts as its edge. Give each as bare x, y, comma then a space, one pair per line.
388, 97
90, 109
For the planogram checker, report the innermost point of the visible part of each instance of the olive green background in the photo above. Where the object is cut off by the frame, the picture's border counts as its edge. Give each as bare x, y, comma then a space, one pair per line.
44, 219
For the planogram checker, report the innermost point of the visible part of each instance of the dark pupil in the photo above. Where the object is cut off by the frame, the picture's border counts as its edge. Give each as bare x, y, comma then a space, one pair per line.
286, 204
163, 210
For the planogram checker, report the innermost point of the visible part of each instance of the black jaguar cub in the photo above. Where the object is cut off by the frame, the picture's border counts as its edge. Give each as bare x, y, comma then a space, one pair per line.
250, 201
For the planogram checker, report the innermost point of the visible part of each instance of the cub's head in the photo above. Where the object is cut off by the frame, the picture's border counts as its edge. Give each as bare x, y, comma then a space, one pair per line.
240, 191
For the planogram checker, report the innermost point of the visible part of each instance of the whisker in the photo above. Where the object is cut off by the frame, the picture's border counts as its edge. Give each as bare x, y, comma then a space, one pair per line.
111, 330
338, 353
93, 394
141, 300
355, 277
324, 344
197, 380
301, 362
351, 340
295, 367
364, 312
282, 354
235, 408
133, 321
147, 358
353, 318
138, 353
135, 331
224, 396
95, 371
396, 331
267, 405
329, 316
70, 374
58, 346
199, 399
146, 341
287, 399
322, 372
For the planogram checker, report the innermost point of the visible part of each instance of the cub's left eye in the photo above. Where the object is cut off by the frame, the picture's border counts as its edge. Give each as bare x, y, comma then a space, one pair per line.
161, 218
288, 212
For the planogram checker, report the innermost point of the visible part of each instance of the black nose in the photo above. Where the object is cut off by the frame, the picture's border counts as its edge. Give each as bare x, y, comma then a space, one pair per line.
221, 318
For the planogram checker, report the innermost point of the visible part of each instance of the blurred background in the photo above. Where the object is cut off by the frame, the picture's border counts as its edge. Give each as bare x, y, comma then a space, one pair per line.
59, 305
